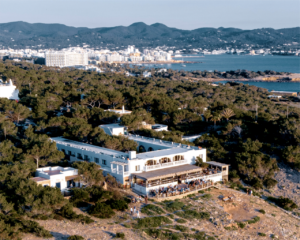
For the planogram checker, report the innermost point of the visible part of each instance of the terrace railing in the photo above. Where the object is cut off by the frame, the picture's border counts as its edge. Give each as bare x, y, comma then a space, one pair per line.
164, 165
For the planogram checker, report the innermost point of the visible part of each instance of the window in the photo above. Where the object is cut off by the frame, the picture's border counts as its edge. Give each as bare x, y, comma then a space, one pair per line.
69, 153
178, 158
96, 160
63, 150
224, 169
57, 185
103, 162
79, 156
70, 183
86, 157
165, 160
137, 168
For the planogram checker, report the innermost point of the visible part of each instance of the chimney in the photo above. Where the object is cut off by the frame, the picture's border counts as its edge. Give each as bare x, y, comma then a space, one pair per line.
199, 147
123, 109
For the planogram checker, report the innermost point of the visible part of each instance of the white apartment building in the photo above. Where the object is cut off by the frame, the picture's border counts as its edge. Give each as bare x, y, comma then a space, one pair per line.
155, 163
60, 177
65, 59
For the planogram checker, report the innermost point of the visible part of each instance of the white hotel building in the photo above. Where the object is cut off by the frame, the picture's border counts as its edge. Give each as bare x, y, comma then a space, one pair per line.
161, 164
66, 59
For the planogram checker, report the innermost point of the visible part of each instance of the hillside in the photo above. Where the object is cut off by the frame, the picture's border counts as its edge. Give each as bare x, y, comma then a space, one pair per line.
22, 34
240, 219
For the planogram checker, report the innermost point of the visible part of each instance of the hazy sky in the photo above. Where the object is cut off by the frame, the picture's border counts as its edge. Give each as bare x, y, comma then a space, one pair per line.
183, 14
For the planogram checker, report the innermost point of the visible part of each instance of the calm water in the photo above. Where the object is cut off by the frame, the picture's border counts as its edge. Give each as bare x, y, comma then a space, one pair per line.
276, 86
227, 62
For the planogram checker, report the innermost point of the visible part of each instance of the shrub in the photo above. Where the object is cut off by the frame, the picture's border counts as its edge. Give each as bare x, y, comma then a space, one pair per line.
79, 196
191, 195
180, 220
256, 183
254, 220
241, 225
119, 204
67, 212
270, 183
127, 225
150, 209
101, 210
75, 237
262, 211
181, 228
202, 236
188, 214
284, 203
164, 234
33, 227
120, 235
201, 191
174, 206
171, 216
207, 196
97, 193
262, 234
153, 222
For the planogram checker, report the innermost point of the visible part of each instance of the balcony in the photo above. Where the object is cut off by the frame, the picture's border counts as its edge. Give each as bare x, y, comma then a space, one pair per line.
119, 172
164, 165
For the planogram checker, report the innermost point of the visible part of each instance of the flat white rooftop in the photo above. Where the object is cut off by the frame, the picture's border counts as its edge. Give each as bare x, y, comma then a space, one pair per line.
159, 142
88, 147
164, 152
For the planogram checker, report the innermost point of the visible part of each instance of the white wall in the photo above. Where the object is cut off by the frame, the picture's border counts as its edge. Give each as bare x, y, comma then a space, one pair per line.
60, 177
190, 156
9, 92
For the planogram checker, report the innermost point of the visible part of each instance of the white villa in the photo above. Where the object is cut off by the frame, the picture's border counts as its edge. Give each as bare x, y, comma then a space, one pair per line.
60, 177
8, 90
157, 163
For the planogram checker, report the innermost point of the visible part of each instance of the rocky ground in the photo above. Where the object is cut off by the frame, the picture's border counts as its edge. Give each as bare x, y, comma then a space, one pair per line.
222, 223
288, 183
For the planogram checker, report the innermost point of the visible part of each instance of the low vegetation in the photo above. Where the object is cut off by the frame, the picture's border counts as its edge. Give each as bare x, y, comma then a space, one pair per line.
149, 222
75, 237
284, 203
151, 209
67, 212
192, 214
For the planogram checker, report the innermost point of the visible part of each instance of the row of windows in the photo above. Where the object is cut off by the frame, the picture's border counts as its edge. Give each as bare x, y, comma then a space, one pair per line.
85, 157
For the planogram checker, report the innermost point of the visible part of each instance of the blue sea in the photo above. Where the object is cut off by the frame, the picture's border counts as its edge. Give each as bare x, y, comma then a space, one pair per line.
227, 62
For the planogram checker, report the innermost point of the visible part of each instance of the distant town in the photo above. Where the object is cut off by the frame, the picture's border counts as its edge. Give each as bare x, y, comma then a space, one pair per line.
84, 56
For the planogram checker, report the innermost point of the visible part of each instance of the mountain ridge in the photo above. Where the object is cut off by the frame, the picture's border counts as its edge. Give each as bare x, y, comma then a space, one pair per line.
21, 34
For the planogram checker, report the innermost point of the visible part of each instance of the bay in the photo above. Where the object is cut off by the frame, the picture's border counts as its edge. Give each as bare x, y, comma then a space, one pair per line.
226, 62
276, 86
